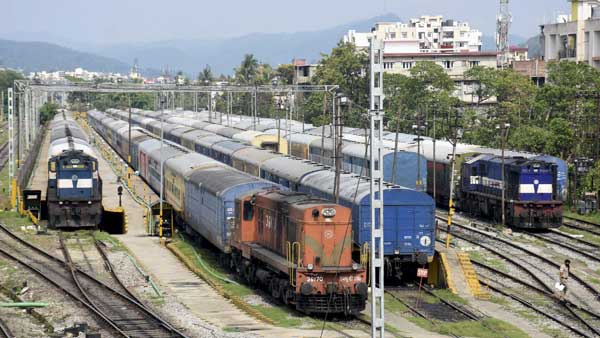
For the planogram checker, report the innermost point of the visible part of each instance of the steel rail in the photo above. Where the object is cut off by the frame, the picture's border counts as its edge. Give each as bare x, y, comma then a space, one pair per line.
568, 246
572, 223
535, 308
415, 310
44, 276
585, 284
126, 323
537, 278
5, 331
96, 281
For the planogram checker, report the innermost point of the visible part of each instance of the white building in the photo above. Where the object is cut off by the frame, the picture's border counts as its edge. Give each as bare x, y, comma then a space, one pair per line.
575, 37
427, 34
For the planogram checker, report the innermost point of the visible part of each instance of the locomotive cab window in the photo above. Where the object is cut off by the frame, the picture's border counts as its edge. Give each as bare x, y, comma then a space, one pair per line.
52, 166
248, 211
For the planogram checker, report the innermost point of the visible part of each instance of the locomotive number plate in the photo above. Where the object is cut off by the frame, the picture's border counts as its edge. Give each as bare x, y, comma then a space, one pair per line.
314, 278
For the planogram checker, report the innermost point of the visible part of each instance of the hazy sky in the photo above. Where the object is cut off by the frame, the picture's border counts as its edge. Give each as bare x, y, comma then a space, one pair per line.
106, 21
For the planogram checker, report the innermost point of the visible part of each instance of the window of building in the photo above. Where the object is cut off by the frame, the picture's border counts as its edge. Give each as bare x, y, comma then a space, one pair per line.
473, 64
421, 35
388, 65
392, 35
407, 65
448, 64
404, 35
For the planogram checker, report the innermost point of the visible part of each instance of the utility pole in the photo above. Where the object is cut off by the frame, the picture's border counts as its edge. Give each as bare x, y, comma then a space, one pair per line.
160, 215
455, 136
419, 127
503, 128
434, 161
376, 134
337, 137
129, 144
12, 187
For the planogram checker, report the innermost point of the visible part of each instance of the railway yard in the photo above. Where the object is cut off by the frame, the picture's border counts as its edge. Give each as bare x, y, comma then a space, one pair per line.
497, 282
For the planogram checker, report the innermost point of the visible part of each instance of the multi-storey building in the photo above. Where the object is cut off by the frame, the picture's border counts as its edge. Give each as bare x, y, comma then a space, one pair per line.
575, 37
427, 34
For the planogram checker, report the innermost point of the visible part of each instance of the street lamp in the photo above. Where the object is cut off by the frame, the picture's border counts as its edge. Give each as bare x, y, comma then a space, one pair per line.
504, 129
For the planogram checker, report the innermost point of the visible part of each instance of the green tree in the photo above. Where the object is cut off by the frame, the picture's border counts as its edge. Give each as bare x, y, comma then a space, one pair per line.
484, 79
205, 77
347, 67
561, 138
47, 111
7, 78
285, 72
246, 72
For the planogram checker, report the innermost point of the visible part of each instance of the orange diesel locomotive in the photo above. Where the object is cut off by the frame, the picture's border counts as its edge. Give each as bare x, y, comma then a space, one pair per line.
300, 249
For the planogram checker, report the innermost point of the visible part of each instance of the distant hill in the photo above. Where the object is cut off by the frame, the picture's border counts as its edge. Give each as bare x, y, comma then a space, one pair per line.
38, 56
534, 46
223, 55
488, 42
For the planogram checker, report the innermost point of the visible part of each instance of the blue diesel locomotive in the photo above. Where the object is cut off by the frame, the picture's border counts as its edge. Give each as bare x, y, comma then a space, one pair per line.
530, 191
74, 191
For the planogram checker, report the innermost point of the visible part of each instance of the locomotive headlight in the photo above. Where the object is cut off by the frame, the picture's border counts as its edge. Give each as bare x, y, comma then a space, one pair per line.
355, 266
328, 212
425, 241
89, 202
310, 267
60, 202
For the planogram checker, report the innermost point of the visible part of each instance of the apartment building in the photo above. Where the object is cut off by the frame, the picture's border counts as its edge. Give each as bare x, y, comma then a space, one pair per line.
575, 37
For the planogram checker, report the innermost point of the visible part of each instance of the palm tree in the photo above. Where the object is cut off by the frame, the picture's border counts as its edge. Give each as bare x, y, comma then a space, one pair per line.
205, 77
246, 72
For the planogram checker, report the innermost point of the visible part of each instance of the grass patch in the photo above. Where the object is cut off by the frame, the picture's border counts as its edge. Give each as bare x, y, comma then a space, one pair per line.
213, 274
478, 256
4, 186
586, 235
106, 237
485, 328
554, 332
393, 305
594, 218
13, 220
526, 314
447, 295
499, 300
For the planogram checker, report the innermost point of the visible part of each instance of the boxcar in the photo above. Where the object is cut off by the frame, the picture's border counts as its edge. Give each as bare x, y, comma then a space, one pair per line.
410, 214
210, 201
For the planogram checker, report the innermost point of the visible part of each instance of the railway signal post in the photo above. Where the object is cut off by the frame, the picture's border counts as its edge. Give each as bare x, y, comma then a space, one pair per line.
376, 134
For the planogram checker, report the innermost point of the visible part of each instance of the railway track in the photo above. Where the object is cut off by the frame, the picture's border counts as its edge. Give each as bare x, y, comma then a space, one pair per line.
534, 259
122, 315
588, 319
418, 312
5, 331
549, 311
581, 225
576, 245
